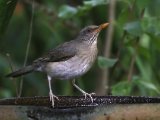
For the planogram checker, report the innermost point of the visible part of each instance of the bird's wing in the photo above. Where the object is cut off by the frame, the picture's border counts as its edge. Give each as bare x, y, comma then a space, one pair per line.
60, 53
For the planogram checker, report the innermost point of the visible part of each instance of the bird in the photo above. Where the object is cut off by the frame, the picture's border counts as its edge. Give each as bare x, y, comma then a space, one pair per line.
67, 61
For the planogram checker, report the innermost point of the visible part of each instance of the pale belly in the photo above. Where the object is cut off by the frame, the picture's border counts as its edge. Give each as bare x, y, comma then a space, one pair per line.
69, 69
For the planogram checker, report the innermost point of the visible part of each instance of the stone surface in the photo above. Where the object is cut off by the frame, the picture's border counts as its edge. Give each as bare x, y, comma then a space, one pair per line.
77, 108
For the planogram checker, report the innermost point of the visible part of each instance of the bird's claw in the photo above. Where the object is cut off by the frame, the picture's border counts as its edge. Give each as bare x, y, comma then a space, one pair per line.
52, 97
89, 95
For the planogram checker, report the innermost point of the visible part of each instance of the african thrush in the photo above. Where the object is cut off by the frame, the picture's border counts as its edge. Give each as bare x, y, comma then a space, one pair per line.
69, 60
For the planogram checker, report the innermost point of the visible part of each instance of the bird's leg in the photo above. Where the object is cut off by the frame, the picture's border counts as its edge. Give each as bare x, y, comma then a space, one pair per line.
51, 95
82, 91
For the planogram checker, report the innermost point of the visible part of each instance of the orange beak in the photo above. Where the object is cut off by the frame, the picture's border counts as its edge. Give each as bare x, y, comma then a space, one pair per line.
102, 26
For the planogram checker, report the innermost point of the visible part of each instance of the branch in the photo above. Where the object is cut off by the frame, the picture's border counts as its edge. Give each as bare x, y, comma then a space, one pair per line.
104, 76
28, 47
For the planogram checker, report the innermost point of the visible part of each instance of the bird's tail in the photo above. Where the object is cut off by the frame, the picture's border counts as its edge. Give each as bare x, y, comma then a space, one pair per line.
21, 71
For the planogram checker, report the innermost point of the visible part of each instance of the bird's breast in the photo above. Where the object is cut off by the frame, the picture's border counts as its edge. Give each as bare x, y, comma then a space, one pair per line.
73, 67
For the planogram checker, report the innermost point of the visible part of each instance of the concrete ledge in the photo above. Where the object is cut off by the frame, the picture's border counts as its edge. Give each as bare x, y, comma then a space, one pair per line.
77, 108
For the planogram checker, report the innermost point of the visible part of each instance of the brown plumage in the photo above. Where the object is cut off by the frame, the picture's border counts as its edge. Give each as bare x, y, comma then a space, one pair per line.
69, 60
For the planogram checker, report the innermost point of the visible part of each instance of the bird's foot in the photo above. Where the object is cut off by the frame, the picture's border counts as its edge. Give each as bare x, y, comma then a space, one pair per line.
83, 92
89, 95
52, 97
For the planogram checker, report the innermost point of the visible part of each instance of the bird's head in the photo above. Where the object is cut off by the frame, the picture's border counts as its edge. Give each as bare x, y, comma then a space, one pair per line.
90, 33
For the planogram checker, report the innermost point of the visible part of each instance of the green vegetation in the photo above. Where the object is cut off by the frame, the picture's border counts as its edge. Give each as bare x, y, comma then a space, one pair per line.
132, 65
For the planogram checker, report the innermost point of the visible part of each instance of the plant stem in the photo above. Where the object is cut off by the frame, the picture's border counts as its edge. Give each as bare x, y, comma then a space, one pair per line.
104, 76
28, 47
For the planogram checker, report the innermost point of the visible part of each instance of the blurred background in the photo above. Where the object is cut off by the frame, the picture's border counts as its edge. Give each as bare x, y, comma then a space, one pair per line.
129, 49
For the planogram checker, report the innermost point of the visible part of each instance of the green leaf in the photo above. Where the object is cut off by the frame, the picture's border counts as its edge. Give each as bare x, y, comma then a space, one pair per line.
144, 68
94, 3
153, 8
122, 88
143, 4
106, 62
149, 85
6, 10
67, 11
133, 28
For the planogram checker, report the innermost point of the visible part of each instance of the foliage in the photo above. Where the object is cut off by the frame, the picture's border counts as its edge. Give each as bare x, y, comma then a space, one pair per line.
106, 62
6, 10
136, 40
